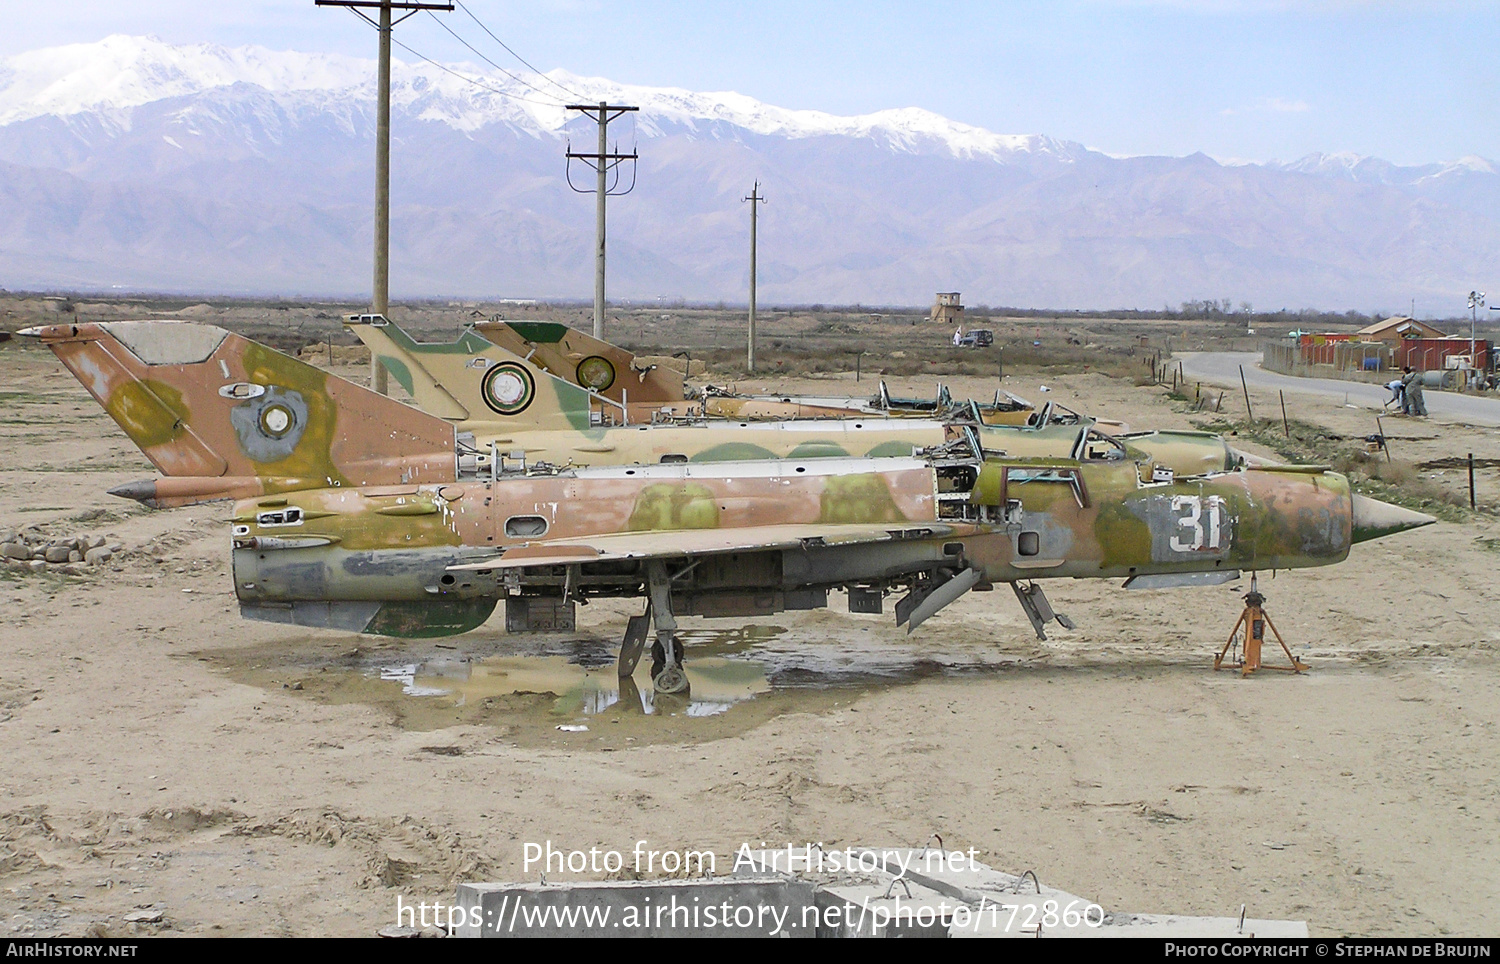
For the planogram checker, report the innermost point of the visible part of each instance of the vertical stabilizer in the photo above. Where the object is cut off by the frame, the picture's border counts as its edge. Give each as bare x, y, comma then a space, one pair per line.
586, 361
474, 377
203, 403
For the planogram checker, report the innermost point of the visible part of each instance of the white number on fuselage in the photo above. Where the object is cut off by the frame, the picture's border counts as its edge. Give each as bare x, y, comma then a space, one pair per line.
1200, 524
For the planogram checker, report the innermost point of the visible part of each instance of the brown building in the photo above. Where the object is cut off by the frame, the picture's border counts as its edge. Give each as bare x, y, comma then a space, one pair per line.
1393, 330
948, 309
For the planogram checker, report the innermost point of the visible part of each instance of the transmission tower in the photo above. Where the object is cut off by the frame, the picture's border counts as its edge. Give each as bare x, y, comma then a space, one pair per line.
603, 164
380, 301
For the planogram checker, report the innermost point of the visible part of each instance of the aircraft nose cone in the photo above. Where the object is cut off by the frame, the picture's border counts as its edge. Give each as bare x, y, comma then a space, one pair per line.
1373, 519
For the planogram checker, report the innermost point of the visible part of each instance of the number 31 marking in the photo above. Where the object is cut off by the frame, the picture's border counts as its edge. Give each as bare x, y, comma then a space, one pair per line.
1200, 527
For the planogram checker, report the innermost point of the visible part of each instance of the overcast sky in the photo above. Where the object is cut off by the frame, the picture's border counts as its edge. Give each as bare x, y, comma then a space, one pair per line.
1409, 81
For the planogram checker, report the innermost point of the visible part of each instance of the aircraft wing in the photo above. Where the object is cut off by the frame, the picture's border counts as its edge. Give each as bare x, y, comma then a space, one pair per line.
680, 543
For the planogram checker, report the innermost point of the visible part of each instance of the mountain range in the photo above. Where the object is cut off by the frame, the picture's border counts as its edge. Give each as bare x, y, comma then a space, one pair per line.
135, 164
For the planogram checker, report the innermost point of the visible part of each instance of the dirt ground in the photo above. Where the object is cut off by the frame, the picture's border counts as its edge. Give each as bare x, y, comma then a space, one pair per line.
164, 757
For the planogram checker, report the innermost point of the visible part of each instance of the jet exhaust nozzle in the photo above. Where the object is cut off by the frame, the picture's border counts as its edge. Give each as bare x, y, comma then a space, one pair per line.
1373, 519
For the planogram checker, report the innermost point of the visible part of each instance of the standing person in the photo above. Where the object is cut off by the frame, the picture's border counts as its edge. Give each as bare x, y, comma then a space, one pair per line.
1412, 397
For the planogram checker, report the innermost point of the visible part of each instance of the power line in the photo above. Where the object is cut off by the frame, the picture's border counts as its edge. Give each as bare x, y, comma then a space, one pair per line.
487, 60
523, 60
467, 79
464, 77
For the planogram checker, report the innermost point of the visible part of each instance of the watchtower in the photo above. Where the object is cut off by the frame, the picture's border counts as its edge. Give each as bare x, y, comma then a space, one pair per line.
948, 309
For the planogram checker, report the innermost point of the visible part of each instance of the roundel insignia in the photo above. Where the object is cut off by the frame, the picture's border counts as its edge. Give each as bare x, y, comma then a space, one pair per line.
277, 420
596, 373
508, 388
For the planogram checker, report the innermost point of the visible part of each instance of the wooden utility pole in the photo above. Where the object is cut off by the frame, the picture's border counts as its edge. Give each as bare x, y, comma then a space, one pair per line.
755, 202
602, 162
380, 299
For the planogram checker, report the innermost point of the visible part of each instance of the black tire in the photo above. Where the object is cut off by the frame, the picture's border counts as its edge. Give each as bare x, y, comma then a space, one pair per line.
659, 656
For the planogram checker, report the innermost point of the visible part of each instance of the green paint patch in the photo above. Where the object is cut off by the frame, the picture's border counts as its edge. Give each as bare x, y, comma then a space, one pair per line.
467, 343
1124, 536
427, 620
890, 450
313, 456
369, 529
733, 452
398, 371
675, 505
541, 332
572, 401
818, 449
858, 498
151, 413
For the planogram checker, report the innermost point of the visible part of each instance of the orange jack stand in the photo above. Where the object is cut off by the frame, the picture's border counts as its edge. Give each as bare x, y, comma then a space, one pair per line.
1254, 621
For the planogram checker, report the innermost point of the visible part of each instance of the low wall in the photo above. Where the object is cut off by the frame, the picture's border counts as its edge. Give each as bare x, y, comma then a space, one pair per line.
1286, 360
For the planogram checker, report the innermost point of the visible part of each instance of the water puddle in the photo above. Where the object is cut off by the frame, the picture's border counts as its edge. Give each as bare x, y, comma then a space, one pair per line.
715, 683
552, 689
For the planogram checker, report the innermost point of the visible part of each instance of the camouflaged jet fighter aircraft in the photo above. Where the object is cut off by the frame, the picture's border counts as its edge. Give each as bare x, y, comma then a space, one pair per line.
224, 417
507, 403
645, 391
751, 538
363, 514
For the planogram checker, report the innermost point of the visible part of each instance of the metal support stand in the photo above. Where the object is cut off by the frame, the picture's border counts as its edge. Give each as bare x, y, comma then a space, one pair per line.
1254, 621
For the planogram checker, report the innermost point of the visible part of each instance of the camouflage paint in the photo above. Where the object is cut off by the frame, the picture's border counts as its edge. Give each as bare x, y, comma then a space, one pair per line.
865, 497
150, 412
666, 506
193, 404
430, 619
732, 452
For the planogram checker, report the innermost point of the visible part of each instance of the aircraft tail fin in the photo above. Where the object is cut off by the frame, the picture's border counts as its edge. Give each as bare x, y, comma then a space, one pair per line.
475, 377
205, 403
586, 361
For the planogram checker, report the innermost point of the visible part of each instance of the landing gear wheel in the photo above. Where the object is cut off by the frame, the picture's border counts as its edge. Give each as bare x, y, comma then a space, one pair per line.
670, 681
659, 657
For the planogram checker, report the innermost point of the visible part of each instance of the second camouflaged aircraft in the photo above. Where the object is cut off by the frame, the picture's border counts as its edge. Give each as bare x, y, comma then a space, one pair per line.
508, 404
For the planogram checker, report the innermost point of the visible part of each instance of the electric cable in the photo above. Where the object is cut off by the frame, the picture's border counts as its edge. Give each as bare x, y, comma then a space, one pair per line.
567, 90
477, 52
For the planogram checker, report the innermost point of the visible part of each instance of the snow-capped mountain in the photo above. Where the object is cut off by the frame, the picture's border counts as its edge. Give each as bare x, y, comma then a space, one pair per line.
143, 164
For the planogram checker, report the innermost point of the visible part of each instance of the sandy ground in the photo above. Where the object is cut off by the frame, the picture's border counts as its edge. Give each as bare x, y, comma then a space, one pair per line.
162, 754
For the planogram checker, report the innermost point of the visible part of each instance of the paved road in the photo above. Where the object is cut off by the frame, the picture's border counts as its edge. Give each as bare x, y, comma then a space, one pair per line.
1223, 367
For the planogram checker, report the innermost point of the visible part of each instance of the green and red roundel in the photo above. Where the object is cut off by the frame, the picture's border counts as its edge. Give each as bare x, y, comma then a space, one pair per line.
508, 388
596, 373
